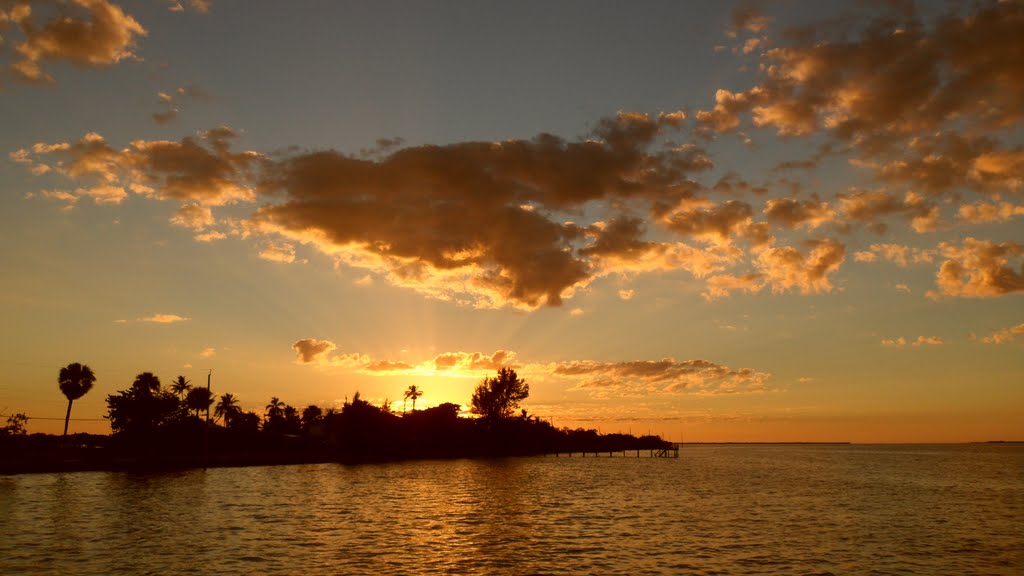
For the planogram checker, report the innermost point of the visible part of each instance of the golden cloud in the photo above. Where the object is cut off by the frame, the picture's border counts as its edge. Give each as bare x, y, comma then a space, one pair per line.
920, 341
785, 268
1004, 335
199, 170
928, 341
667, 376
884, 76
278, 252
714, 223
475, 361
791, 213
194, 216
83, 32
982, 212
723, 285
898, 254
869, 206
980, 269
618, 247
388, 366
894, 83
163, 319
894, 342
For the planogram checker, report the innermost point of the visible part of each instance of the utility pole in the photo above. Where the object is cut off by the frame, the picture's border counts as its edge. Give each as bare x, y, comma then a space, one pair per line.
206, 427
208, 376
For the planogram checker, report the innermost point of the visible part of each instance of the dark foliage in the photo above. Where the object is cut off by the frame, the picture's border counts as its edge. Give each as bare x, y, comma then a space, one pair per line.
157, 427
15, 425
497, 398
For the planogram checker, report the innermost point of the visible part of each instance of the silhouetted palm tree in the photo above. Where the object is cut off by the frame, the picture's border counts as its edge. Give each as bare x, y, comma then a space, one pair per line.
275, 408
147, 383
310, 415
292, 417
198, 399
413, 392
180, 386
74, 380
227, 408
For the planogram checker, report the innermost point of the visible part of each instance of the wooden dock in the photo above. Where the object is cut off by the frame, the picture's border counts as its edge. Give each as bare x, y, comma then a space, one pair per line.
670, 452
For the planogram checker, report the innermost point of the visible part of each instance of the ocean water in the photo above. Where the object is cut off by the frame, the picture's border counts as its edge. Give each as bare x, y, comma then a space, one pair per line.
798, 509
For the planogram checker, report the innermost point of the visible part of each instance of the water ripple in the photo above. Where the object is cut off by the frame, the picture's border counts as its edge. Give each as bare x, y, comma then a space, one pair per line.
717, 510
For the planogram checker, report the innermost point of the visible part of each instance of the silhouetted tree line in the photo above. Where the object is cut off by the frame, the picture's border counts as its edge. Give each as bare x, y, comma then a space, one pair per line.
173, 424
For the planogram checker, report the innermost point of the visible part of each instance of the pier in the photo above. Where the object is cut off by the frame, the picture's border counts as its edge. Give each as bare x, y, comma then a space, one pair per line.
669, 452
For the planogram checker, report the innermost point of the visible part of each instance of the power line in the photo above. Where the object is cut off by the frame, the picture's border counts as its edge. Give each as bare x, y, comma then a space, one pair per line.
73, 419
61, 419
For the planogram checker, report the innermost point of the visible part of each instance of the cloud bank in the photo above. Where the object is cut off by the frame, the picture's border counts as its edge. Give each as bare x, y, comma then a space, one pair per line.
599, 379
529, 223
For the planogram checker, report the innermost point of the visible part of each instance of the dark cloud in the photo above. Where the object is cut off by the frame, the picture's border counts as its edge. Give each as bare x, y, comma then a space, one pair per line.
166, 117
476, 221
201, 6
322, 353
749, 19
311, 350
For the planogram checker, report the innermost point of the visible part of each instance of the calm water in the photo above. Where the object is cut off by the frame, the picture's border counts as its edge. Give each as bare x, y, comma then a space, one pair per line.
716, 510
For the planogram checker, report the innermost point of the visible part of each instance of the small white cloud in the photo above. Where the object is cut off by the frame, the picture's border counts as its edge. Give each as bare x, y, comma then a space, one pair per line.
928, 340
209, 236
278, 252
1004, 335
894, 343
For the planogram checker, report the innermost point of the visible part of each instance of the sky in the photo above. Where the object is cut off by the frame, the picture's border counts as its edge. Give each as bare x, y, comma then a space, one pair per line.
714, 221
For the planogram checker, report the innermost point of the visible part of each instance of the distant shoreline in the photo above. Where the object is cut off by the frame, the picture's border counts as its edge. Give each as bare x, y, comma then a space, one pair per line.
761, 443
799, 443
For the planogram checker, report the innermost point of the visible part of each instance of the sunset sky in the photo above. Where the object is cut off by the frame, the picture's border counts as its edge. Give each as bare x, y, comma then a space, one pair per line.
763, 221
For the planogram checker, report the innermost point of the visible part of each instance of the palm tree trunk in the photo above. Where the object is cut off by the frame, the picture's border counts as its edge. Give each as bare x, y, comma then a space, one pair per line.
67, 417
